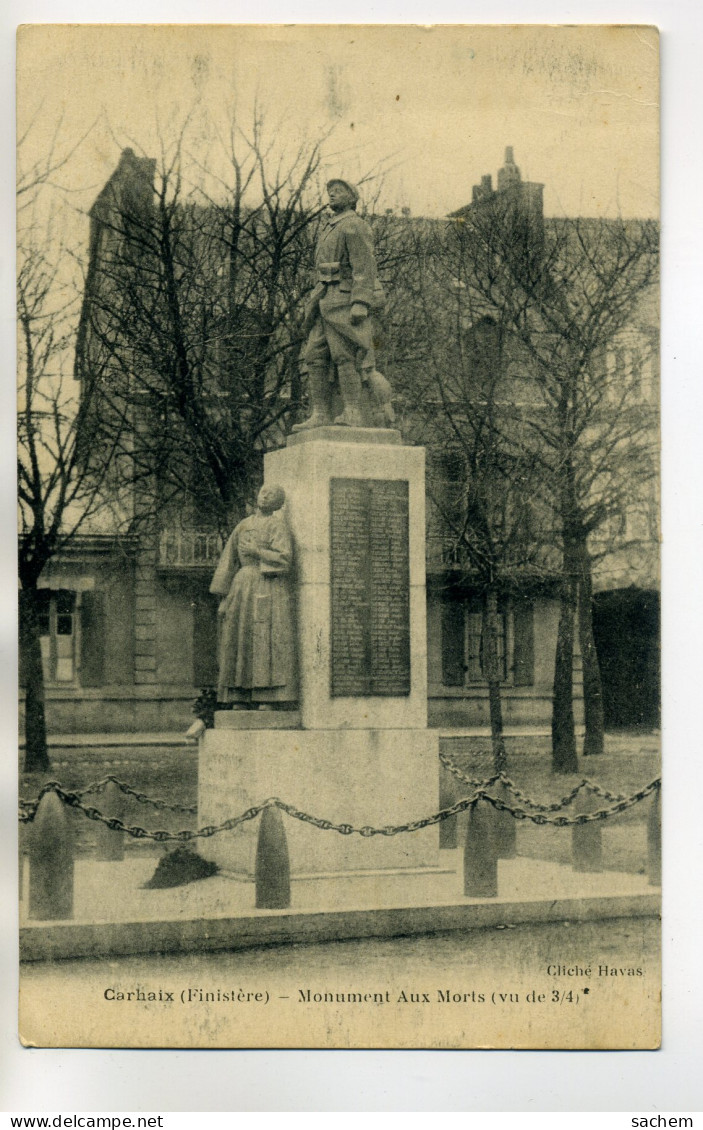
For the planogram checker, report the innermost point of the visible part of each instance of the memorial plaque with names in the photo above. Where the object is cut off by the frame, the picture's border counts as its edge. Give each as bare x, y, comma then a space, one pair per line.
370, 587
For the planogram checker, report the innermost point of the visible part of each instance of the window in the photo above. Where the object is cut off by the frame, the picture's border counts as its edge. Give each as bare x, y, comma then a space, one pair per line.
473, 650
446, 507
72, 637
449, 486
462, 641
57, 631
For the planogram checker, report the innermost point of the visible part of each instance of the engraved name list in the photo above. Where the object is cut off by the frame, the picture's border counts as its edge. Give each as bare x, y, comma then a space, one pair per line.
370, 587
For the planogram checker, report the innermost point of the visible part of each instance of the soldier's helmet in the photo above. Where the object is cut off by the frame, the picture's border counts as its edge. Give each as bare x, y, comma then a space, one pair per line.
347, 184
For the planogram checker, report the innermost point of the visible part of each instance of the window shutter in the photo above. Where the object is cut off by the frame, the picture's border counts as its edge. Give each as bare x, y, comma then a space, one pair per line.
92, 639
452, 643
523, 644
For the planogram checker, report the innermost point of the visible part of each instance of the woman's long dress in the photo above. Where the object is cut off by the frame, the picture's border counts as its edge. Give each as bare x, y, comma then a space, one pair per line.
257, 640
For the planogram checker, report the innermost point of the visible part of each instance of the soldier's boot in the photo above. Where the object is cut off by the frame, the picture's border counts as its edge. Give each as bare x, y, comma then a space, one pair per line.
350, 390
319, 390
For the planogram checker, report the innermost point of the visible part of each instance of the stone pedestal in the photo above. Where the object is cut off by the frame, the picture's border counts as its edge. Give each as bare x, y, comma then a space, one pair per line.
358, 750
360, 777
306, 470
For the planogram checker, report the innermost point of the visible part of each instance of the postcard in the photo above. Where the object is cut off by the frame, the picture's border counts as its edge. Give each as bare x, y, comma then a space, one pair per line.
338, 426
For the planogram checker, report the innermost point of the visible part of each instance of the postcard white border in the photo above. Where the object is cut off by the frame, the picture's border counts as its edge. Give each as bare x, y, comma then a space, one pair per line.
428, 1081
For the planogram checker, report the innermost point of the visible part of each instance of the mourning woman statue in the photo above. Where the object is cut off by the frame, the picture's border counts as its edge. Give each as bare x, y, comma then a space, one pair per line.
257, 631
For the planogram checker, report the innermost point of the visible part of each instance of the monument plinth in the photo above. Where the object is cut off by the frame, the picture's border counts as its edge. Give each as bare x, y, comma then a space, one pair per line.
357, 512
357, 750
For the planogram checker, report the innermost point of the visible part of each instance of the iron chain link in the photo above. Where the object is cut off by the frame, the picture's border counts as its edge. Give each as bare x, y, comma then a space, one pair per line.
581, 817
99, 786
598, 790
73, 800
472, 782
555, 806
536, 806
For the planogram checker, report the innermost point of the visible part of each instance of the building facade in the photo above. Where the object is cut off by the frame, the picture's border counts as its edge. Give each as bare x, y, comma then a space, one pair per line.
129, 633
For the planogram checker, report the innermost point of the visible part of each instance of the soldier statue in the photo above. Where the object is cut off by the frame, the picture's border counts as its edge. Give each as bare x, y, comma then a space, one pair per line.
339, 353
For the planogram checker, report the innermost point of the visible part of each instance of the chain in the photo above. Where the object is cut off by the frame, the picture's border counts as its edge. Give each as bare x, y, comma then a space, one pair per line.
582, 817
161, 805
472, 782
598, 790
73, 800
366, 830
99, 786
27, 811
535, 805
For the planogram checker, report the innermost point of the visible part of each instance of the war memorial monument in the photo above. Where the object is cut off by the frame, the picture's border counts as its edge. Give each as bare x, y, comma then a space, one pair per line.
323, 623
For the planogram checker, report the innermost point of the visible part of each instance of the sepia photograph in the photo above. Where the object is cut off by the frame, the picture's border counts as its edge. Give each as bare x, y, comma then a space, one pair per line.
339, 535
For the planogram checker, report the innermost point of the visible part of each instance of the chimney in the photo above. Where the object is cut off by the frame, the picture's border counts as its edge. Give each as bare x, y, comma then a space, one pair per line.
482, 191
509, 175
522, 198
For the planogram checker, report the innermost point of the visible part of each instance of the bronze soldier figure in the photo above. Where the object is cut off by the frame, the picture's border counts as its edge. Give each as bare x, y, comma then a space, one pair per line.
338, 317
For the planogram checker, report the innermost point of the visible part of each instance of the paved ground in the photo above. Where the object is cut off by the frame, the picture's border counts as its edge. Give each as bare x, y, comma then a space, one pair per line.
114, 892
65, 1003
459, 956
477, 986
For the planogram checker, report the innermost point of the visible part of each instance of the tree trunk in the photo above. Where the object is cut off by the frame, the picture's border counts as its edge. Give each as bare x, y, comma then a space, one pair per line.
36, 755
592, 686
564, 758
492, 674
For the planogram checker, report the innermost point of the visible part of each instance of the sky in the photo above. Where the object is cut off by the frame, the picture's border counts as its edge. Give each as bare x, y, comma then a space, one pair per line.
434, 108
422, 111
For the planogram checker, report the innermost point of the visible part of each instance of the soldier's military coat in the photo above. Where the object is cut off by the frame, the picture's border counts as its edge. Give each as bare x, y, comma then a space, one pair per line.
345, 269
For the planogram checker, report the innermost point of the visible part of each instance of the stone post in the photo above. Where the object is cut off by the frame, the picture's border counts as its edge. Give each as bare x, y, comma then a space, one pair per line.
505, 825
448, 829
51, 861
586, 839
654, 840
480, 852
110, 844
272, 871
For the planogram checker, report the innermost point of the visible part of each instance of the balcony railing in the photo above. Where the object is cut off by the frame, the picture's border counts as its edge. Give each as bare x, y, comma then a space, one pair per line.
189, 549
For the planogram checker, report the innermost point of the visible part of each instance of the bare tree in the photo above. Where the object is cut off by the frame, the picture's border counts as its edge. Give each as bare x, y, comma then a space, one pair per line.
567, 289
452, 361
41, 171
193, 307
58, 491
